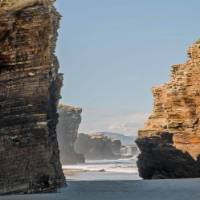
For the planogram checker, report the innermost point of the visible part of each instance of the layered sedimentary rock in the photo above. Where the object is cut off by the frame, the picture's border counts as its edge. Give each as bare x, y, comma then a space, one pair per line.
97, 147
170, 140
29, 92
67, 129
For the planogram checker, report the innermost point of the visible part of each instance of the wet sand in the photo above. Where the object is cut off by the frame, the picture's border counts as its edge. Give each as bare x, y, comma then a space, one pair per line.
182, 189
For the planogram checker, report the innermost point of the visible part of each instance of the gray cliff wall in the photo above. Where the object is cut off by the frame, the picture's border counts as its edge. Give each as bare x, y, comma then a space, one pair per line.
67, 129
97, 147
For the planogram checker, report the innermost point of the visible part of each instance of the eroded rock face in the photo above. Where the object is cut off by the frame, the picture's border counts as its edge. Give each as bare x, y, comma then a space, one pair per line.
160, 159
97, 147
176, 111
67, 129
29, 92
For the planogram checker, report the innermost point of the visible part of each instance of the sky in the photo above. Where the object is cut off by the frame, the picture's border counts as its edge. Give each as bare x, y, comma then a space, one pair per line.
113, 51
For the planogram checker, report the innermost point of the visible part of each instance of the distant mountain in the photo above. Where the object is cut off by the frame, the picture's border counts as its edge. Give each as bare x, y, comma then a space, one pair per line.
125, 140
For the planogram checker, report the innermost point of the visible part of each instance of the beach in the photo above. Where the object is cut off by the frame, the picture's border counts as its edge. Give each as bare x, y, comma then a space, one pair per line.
115, 180
94, 170
183, 189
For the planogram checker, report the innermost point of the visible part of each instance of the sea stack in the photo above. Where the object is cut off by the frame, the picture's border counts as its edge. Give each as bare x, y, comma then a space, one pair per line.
67, 129
96, 146
29, 93
170, 140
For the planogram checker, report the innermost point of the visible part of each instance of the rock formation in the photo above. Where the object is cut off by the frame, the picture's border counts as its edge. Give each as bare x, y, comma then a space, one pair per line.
170, 141
129, 151
97, 147
29, 93
67, 129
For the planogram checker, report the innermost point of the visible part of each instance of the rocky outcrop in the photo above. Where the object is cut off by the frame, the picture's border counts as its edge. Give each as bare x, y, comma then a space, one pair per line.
129, 151
160, 159
176, 113
97, 147
67, 129
29, 92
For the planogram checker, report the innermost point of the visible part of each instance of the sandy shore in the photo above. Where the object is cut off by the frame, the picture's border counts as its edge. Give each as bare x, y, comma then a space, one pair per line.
84, 175
185, 189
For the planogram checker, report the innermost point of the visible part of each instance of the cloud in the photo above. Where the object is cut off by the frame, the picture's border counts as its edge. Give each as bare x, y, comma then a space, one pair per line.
126, 122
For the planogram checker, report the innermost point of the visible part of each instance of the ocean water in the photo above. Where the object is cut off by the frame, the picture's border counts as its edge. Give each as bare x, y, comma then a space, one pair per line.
121, 169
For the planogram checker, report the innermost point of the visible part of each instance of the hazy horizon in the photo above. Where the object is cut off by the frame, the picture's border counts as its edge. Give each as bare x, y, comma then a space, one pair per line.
112, 53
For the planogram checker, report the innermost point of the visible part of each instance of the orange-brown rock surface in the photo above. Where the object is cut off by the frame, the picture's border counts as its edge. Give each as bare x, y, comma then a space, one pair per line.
29, 93
176, 111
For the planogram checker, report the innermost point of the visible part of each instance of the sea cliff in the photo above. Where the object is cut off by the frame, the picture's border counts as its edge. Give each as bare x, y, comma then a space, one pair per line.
97, 147
170, 140
29, 93
67, 129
